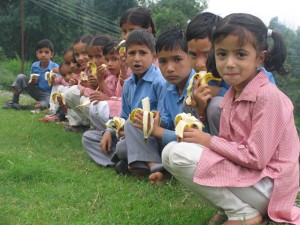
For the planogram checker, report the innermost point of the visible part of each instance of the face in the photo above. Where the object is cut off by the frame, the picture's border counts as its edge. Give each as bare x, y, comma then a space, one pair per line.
80, 54
44, 55
66, 71
95, 54
237, 64
139, 59
127, 27
198, 51
174, 66
112, 63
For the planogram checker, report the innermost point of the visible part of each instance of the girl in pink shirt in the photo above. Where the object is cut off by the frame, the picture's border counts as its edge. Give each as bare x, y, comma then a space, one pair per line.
251, 171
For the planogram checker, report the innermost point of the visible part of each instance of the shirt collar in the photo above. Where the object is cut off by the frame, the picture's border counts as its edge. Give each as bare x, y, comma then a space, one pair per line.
149, 75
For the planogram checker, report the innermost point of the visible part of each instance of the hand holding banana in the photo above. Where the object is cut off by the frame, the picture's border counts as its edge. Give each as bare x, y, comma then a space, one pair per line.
205, 78
50, 76
148, 117
186, 120
116, 124
33, 78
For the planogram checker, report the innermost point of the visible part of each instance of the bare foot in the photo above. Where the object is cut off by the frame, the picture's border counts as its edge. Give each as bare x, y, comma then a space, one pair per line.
253, 221
219, 218
156, 178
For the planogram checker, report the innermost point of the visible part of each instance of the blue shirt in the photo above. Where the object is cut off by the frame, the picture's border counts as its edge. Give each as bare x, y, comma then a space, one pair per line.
172, 105
151, 85
36, 68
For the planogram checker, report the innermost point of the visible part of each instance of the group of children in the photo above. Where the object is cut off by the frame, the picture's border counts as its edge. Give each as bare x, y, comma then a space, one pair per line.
245, 160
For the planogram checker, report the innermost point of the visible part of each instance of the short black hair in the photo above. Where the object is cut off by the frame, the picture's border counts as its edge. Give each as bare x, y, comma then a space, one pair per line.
171, 39
141, 37
45, 43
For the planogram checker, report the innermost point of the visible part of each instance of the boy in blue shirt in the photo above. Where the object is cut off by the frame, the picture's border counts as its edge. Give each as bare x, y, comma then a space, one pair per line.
172, 53
36, 86
146, 81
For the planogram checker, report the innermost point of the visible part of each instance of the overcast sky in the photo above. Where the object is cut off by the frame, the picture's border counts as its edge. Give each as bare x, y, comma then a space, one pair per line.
286, 11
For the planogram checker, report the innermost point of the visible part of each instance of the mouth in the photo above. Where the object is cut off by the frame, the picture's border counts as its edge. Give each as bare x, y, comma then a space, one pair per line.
137, 66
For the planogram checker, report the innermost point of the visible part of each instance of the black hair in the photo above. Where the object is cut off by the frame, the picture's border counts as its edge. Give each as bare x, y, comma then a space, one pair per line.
63, 63
171, 39
202, 26
110, 47
83, 39
141, 37
251, 29
99, 40
45, 43
138, 16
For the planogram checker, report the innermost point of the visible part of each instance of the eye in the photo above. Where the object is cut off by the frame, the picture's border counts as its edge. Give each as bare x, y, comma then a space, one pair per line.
177, 59
162, 61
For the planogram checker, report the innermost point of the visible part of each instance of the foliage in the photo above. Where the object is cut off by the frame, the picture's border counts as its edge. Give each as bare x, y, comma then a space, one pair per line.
169, 13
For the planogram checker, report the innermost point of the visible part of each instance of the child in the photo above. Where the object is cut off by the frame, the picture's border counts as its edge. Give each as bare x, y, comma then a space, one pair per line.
172, 53
208, 97
136, 18
146, 81
37, 87
101, 107
251, 170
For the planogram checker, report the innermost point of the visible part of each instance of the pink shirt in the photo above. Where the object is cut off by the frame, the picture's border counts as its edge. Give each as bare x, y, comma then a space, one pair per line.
258, 138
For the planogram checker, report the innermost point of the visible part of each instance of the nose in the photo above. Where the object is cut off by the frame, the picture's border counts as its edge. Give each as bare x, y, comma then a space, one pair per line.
230, 62
201, 63
170, 67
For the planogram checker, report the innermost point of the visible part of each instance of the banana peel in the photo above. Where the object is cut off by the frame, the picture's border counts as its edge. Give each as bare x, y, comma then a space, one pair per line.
32, 76
205, 78
86, 103
57, 94
116, 124
186, 120
148, 117
50, 76
121, 48
93, 68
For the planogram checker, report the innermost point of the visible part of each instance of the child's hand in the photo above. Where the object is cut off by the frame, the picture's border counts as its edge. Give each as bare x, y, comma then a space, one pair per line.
201, 94
102, 72
105, 143
35, 80
98, 96
92, 82
138, 120
194, 135
121, 133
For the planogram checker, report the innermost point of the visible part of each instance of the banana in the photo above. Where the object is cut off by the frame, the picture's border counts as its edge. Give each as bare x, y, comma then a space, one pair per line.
32, 76
116, 123
49, 76
57, 94
148, 117
83, 76
121, 48
93, 68
205, 78
186, 120
86, 103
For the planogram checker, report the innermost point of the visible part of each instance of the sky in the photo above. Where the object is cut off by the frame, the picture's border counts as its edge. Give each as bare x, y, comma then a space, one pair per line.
286, 11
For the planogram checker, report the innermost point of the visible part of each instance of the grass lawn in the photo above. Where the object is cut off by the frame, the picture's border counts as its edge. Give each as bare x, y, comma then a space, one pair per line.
47, 178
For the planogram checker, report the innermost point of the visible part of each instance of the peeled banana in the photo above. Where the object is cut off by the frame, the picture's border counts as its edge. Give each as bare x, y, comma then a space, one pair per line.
121, 48
93, 68
83, 76
116, 123
57, 94
186, 120
205, 78
32, 76
50, 76
148, 117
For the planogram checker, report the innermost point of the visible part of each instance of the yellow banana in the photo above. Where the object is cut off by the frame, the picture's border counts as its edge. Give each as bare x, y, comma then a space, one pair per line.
186, 120
205, 78
93, 68
121, 48
50, 76
57, 94
148, 117
117, 124
32, 76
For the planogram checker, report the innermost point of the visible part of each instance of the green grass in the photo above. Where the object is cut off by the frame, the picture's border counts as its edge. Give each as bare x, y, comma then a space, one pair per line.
47, 178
